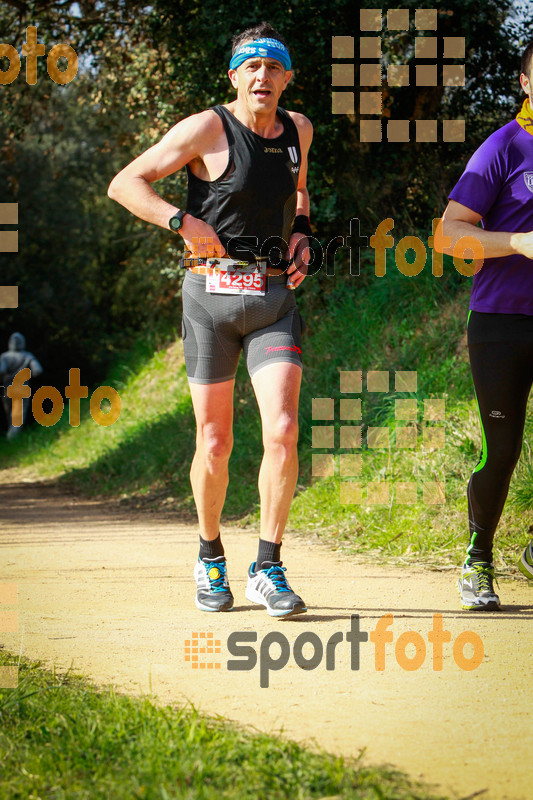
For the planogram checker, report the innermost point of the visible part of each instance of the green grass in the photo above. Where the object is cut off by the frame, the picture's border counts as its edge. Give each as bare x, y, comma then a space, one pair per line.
368, 323
61, 738
143, 453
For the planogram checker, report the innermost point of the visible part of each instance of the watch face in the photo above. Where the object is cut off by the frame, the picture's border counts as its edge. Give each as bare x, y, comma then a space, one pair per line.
175, 223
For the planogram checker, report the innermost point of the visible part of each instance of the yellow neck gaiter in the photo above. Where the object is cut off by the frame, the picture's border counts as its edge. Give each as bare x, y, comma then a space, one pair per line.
525, 116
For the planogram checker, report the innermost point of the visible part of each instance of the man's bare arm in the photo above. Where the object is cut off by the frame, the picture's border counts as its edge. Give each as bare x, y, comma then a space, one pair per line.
187, 140
305, 132
459, 221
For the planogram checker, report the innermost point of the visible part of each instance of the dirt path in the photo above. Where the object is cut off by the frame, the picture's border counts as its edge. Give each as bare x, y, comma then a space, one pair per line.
112, 594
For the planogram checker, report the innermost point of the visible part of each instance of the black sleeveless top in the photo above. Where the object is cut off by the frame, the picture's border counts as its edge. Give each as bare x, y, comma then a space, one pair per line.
253, 204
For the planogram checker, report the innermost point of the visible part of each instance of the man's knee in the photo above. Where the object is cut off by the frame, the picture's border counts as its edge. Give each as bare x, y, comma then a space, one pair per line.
282, 433
216, 445
504, 456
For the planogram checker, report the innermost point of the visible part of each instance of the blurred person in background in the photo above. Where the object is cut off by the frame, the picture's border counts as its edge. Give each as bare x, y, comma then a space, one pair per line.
15, 358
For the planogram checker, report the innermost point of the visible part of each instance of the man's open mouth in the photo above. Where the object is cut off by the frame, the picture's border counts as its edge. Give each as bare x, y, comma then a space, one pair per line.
261, 92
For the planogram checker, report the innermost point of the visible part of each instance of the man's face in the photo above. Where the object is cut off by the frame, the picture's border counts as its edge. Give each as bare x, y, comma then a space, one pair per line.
260, 82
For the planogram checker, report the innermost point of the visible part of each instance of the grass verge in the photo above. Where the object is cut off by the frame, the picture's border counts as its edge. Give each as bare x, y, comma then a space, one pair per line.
60, 738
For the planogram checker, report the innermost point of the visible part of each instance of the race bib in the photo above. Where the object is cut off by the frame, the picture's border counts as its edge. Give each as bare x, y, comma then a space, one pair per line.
227, 276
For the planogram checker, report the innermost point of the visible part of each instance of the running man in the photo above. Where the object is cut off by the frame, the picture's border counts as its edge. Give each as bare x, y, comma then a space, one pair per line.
247, 199
496, 188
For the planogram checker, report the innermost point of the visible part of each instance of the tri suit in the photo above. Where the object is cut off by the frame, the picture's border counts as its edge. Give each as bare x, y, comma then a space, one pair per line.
251, 207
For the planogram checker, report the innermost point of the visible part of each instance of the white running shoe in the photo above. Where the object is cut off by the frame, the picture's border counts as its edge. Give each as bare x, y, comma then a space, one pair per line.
211, 579
269, 588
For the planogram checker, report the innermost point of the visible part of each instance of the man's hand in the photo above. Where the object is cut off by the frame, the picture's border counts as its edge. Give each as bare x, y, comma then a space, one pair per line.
200, 238
523, 243
299, 255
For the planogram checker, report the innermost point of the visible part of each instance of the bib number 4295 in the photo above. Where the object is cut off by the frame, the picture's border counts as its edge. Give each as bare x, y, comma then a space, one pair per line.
227, 277
239, 280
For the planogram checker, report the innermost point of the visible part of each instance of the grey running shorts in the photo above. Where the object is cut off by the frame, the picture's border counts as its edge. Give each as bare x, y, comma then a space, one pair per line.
216, 327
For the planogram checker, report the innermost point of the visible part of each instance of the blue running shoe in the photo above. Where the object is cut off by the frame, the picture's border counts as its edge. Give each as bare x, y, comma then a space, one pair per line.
211, 579
269, 587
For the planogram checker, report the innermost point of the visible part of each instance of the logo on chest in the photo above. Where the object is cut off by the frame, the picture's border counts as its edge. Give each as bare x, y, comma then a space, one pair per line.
273, 150
528, 180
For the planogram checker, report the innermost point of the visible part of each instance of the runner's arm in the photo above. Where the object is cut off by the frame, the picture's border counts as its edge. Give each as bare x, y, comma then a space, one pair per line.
459, 220
187, 140
305, 132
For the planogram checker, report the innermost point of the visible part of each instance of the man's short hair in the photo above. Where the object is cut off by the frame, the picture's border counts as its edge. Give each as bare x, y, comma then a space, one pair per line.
527, 58
262, 31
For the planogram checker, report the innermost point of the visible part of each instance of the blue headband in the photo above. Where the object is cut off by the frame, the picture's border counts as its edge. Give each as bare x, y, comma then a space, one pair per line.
264, 48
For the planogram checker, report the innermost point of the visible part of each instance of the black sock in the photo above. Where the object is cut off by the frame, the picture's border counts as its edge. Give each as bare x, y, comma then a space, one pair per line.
210, 550
268, 551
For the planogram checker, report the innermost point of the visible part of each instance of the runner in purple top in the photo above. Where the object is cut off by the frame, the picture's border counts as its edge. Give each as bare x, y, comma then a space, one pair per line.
497, 185
496, 189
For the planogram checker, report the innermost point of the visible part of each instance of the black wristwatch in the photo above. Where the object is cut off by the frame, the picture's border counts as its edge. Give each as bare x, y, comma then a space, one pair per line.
175, 223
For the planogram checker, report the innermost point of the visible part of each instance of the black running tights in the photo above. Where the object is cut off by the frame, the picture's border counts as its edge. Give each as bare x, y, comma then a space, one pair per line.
503, 375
